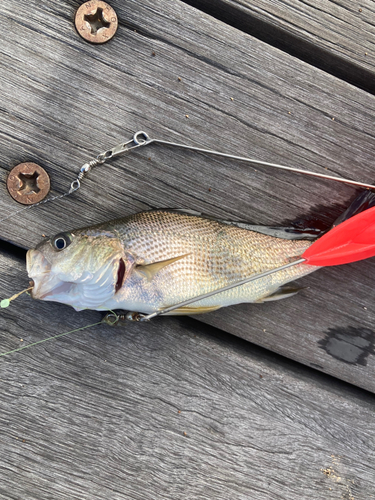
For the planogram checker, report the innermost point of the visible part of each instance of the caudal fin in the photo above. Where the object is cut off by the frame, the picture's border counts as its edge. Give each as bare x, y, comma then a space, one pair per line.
364, 201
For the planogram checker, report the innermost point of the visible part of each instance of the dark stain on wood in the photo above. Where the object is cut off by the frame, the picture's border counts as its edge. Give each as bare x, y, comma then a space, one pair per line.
351, 345
319, 217
322, 215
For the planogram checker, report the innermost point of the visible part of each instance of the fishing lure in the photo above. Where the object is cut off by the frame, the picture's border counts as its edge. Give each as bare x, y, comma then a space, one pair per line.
351, 240
174, 262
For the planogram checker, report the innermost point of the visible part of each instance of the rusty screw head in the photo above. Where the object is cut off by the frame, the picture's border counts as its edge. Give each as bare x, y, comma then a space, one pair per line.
28, 183
96, 21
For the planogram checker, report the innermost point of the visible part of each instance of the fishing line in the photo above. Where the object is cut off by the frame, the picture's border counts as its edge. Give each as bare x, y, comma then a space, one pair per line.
107, 320
49, 338
6, 302
53, 198
110, 319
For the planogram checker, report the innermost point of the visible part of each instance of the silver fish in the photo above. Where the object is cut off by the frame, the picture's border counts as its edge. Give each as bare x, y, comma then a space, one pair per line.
152, 260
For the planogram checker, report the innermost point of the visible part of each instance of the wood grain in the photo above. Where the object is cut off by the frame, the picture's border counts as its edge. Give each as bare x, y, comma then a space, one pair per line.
335, 36
64, 101
170, 409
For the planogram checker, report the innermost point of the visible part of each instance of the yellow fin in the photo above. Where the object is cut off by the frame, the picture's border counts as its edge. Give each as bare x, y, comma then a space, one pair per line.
149, 270
283, 292
192, 310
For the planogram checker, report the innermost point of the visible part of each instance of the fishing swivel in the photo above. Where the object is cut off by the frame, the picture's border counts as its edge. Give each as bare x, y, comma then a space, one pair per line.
112, 319
141, 139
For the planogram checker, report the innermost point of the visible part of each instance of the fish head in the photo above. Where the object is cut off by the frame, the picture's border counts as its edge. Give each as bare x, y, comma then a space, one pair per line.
83, 268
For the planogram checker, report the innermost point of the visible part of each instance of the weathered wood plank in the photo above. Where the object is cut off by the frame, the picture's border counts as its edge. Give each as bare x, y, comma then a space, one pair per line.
64, 101
331, 330
170, 409
336, 36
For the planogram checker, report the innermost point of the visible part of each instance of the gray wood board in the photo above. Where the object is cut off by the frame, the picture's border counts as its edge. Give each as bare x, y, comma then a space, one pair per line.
170, 409
336, 36
64, 101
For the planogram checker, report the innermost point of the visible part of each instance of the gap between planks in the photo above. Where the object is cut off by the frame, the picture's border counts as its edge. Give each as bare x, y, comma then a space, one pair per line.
316, 34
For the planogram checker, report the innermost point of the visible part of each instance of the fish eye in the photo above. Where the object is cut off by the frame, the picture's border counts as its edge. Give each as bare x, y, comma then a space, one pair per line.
62, 240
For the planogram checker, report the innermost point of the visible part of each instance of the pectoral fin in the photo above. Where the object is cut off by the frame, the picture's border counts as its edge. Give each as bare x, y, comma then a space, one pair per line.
192, 310
282, 292
149, 270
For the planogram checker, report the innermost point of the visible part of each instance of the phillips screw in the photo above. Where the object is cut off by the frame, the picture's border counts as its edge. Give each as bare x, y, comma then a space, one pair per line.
96, 21
28, 183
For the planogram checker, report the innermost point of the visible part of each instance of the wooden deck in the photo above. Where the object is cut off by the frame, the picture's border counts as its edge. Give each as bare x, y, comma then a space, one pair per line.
268, 401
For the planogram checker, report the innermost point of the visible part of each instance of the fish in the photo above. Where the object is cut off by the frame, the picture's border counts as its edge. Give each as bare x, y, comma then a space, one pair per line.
151, 260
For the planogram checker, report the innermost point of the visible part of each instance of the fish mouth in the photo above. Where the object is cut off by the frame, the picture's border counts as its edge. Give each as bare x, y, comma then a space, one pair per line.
90, 291
45, 283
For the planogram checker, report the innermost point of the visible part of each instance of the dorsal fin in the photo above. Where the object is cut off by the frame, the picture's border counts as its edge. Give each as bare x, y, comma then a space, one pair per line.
285, 233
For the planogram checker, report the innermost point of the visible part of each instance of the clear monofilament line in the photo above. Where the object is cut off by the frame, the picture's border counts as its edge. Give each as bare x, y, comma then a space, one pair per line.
103, 321
53, 198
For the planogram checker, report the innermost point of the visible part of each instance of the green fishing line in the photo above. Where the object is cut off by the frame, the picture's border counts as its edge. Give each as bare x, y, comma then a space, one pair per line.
6, 302
49, 338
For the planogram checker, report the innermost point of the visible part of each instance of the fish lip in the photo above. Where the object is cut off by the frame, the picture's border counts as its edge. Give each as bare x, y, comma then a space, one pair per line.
29, 254
38, 267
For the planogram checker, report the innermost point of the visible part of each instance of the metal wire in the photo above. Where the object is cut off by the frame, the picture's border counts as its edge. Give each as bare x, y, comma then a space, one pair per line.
141, 139
169, 309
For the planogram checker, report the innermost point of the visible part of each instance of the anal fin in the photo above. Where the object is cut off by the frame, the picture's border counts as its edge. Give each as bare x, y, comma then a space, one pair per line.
192, 310
283, 292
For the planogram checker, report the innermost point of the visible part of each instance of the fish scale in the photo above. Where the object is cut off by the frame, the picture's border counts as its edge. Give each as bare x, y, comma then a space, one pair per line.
218, 254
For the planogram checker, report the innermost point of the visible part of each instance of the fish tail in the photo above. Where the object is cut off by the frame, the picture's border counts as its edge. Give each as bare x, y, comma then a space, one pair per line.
362, 202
